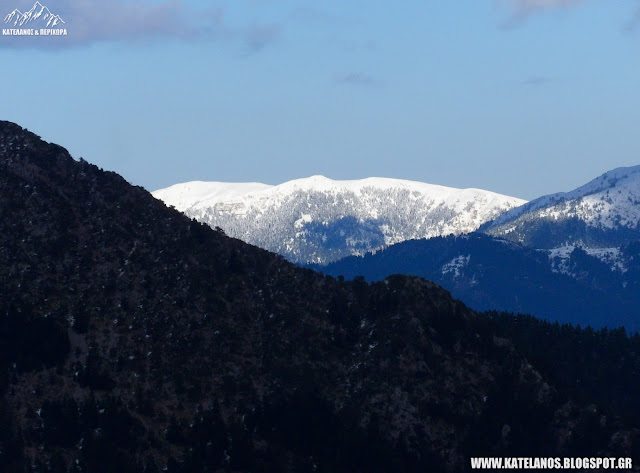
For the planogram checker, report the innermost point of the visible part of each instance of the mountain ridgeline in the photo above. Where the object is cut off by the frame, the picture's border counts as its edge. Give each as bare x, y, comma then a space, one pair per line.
603, 213
134, 339
493, 273
318, 220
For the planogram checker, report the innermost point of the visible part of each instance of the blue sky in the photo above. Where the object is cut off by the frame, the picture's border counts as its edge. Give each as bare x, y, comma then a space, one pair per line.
522, 97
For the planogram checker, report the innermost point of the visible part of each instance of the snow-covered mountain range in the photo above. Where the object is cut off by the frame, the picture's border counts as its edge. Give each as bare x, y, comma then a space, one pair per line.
603, 213
320, 220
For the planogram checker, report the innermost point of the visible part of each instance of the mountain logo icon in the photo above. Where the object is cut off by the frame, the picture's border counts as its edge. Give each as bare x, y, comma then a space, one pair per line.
38, 13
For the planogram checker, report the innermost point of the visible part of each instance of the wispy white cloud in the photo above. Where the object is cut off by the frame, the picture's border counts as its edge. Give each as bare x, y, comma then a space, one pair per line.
521, 9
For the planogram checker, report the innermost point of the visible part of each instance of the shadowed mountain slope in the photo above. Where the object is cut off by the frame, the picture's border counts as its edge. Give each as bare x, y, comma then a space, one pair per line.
494, 273
133, 339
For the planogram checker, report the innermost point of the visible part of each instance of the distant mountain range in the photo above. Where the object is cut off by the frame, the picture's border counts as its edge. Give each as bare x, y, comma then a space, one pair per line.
603, 213
493, 273
572, 256
319, 220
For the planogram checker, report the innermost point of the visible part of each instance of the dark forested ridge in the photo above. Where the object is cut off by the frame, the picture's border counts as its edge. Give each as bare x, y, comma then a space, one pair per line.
133, 339
597, 365
492, 273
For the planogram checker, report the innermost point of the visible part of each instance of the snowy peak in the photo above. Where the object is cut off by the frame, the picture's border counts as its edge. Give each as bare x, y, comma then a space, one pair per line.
189, 194
623, 180
321, 183
317, 219
603, 212
199, 193
616, 178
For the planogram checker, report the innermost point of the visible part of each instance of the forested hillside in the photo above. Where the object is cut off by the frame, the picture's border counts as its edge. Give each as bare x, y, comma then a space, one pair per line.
133, 339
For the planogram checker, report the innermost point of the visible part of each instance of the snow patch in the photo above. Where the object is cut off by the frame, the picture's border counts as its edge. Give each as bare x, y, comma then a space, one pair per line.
304, 218
559, 258
456, 265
